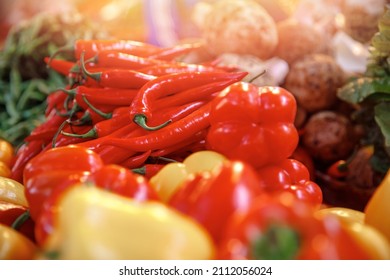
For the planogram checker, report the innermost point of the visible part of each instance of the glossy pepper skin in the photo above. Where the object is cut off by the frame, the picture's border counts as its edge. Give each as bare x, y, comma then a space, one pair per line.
293, 176
121, 228
52, 167
111, 177
253, 124
210, 198
281, 227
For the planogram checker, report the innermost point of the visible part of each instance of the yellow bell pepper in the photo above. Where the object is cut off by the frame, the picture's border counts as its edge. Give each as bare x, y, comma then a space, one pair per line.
377, 209
171, 176
370, 239
96, 224
14, 245
12, 191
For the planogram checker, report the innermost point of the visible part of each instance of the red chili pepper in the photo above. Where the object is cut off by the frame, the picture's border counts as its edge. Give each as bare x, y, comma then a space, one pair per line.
63, 67
141, 108
253, 124
338, 169
105, 128
175, 133
47, 129
91, 47
172, 68
136, 160
55, 101
203, 92
211, 199
181, 146
171, 53
117, 78
24, 154
103, 96
115, 59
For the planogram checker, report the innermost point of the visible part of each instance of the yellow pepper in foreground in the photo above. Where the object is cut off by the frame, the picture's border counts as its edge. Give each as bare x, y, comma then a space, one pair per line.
12, 191
378, 208
171, 176
96, 224
369, 238
14, 245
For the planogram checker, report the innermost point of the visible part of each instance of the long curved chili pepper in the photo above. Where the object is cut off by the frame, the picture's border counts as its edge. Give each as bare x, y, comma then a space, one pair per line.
171, 68
114, 154
141, 107
170, 135
47, 129
106, 127
60, 140
92, 47
182, 145
135, 160
63, 67
203, 92
115, 59
23, 155
104, 96
117, 78
171, 53
55, 101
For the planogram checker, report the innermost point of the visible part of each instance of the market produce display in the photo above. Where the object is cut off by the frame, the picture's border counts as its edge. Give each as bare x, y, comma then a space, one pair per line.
153, 152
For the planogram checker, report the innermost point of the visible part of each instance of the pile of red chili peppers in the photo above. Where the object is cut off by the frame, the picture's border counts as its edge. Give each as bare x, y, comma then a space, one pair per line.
129, 90
138, 107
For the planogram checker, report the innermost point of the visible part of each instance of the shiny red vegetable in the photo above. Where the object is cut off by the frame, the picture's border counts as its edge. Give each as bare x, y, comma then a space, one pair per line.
212, 198
253, 124
282, 227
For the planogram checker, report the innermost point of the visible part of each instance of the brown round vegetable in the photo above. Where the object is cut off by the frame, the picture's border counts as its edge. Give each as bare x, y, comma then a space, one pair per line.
329, 136
241, 27
314, 81
296, 40
361, 18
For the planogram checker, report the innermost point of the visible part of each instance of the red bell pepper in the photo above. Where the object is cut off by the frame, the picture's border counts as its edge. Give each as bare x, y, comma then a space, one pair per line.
293, 176
253, 124
210, 198
284, 227
50, 168
50, 186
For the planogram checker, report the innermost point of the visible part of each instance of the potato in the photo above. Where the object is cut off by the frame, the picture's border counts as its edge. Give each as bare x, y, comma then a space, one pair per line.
314, 81
241, 27
296, 40
329, 136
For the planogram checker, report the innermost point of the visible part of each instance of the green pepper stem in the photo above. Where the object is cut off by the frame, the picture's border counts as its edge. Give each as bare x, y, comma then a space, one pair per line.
54, 140
96, 76
21, 220
279, 242
96, 110
92, 133
257, 76
141, 119
139, 170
